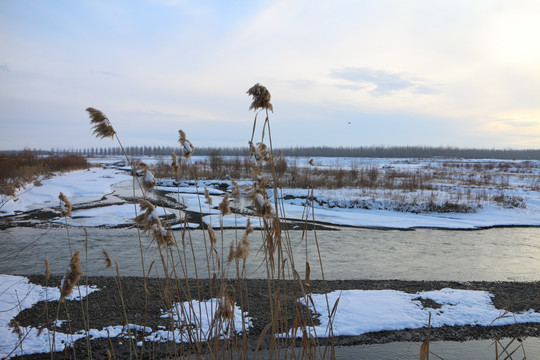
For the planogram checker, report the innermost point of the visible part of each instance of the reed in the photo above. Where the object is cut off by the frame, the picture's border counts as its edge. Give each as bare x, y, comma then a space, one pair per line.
225, 279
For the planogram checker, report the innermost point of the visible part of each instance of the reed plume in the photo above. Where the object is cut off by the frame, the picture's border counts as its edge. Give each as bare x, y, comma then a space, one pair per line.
261, 204
102, 126
224, 205
207, 196
212, 236
187, 146
149, 181
262, 152
226, 308
174, 163
108, 260
72, 276
261, 98
242, 249
65, 205
47, 270
150, 222
236, 192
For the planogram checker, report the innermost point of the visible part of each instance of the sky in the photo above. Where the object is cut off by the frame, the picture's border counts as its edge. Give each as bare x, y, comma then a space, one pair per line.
341, 73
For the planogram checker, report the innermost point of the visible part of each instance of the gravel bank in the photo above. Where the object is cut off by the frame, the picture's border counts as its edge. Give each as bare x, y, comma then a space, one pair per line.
105, 309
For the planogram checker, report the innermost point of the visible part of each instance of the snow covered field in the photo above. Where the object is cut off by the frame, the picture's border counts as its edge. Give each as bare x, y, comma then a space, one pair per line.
17, 294
516, 192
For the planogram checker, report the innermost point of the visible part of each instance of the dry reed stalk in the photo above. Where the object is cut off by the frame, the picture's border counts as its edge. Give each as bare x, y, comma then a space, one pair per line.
102, 125
72, 276
65, 205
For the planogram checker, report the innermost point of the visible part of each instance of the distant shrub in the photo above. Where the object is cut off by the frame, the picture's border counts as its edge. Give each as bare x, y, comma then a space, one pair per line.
23, 167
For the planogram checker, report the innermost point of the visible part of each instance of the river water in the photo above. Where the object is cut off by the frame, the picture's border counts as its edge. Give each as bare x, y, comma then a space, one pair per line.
498, 254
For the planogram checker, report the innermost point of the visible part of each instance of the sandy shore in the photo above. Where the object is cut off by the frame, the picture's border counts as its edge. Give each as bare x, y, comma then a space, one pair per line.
105, 309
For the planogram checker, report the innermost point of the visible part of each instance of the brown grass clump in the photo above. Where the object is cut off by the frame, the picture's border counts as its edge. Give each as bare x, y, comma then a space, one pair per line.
65, 205
102, 125
73, 274
261, 98
150, 222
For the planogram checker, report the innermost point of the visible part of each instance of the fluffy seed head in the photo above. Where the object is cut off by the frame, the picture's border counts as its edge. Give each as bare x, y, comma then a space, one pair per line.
236, 193
212, 236
207, 196
174, 163
65, 205
108, 260
150, 222
261, 98
182, 136
232, 253
102, 126
187, 147
73, 274
224, 206
226, 308
262, 205
262, 152
149, 181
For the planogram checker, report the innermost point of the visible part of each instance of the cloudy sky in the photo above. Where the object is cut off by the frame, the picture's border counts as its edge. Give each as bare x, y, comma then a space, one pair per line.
341, 73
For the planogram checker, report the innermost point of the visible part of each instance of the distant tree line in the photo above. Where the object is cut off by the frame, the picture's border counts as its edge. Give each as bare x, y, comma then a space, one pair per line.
314, 151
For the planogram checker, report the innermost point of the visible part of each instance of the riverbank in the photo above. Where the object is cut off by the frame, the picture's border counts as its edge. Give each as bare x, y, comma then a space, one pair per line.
466, 199
107, 310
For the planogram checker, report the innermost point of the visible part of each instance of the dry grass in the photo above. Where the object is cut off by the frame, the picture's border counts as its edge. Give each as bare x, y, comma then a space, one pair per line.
24, 167
218, 267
